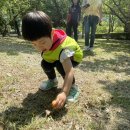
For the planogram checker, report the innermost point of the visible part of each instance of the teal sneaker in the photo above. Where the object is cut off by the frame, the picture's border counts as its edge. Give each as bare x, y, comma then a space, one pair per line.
49, 84
73, 94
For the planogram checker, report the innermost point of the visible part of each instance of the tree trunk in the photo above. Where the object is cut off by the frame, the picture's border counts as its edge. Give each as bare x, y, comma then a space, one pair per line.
17, 27
127, 27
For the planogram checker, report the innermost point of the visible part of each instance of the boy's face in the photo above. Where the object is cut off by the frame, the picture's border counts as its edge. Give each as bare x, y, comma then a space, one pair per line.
43, 44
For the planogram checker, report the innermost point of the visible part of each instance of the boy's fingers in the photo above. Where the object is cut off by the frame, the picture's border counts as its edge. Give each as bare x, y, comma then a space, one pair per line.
60, 104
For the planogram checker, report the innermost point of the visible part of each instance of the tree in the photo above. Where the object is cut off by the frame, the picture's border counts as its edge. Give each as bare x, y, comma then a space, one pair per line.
57, 10
11, 12
121, 9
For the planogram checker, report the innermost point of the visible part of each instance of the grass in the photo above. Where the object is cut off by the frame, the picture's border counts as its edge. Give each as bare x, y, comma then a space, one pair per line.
103, 78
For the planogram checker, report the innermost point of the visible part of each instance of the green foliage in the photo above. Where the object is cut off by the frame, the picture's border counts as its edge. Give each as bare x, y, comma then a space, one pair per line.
120, 10
57, 10
13, 10
10, 12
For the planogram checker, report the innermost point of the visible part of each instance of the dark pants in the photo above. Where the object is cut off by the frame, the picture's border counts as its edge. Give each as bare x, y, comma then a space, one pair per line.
90, 22
69, 27
48, 68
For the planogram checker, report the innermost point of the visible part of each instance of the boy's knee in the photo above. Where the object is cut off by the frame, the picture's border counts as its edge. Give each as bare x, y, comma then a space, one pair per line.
44, 65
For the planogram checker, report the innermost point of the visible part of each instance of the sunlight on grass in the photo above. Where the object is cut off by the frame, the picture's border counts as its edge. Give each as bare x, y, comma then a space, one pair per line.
103, 78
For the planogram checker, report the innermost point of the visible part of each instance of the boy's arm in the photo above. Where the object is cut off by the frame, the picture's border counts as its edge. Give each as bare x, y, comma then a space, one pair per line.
69, 74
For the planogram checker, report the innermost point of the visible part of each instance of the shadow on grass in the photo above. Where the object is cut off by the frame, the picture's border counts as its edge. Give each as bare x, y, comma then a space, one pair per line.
113, 45
110, 45
33, 105
120, 91
119, 64
14, 46
88, 53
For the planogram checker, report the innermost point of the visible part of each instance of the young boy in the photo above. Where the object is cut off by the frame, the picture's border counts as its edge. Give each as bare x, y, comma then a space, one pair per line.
57, 50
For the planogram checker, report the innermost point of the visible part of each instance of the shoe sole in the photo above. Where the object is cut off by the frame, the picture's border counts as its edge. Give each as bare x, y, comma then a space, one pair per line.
48, 88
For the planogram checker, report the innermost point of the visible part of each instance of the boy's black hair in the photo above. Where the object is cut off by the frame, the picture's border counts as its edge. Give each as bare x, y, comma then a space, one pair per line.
35, 25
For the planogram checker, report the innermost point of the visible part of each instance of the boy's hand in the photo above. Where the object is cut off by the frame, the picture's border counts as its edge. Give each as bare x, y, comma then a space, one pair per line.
60, 100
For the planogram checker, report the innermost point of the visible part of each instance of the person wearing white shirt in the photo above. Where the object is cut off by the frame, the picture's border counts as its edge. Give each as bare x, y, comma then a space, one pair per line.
92, 13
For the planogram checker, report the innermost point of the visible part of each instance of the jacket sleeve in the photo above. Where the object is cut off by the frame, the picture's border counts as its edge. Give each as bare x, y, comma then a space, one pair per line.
84, 2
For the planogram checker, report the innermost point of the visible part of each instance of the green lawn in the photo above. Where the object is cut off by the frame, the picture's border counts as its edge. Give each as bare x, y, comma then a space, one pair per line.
103, 78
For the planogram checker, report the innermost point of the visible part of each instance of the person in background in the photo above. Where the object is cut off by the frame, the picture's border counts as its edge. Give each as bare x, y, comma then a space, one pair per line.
73, 19
57, 50
92, 13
